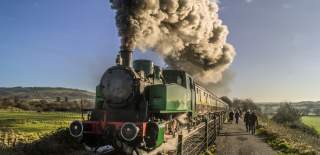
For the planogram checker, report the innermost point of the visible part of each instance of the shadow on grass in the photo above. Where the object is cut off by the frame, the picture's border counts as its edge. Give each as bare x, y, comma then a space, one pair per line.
58, 142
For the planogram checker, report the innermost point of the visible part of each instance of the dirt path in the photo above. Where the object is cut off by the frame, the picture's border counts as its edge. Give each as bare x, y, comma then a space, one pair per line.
234, 140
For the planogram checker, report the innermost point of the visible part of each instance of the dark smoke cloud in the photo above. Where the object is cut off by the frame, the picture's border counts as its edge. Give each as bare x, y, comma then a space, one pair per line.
188, 34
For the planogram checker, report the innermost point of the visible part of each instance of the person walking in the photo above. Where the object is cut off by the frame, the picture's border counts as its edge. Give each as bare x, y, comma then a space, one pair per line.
253, 122
231, 116
246, 120
237, 116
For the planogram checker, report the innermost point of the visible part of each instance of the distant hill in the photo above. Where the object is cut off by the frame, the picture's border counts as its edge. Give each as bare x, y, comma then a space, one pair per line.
44, 93
306, 107
295, 103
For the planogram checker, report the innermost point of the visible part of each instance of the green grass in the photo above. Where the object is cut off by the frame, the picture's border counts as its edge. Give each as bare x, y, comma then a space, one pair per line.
28, 126
287, 140
312, 121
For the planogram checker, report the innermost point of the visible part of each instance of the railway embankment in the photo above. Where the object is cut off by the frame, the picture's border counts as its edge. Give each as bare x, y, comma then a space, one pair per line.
287, 140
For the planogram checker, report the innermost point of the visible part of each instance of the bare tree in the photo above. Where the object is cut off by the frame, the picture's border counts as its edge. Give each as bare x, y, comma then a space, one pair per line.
66, 99
287, 114
58, 99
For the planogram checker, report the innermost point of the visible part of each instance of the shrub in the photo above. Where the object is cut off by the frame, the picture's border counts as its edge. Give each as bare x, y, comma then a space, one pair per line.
287, 114
24, 106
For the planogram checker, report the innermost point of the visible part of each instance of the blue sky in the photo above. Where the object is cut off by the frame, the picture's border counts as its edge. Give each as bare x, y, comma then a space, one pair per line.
70, 43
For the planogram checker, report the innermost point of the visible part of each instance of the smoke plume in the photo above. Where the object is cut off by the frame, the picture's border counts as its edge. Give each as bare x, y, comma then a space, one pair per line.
222, 87
188, 34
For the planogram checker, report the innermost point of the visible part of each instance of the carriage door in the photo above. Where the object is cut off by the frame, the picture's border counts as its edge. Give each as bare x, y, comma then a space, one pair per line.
191, 88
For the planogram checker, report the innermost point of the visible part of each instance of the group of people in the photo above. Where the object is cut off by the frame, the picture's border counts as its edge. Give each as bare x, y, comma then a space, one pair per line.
250, 119
236, 115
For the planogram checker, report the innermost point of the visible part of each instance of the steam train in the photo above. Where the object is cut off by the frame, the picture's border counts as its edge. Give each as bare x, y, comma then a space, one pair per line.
137, 106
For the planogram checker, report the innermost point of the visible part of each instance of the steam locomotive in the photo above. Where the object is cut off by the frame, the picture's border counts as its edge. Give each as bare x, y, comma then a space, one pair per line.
137, 106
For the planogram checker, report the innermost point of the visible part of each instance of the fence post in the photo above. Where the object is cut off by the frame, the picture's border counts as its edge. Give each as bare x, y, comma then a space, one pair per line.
220, 118
215, 125
14, 142
179, 149
206, 134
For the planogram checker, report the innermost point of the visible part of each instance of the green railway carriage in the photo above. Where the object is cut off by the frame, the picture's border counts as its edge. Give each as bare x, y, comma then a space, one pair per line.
137, 106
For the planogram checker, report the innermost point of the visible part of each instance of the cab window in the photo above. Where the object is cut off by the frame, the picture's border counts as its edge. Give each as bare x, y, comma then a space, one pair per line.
172, 76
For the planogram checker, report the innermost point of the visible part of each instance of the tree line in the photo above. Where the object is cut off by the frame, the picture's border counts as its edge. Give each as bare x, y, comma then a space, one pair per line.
59, 104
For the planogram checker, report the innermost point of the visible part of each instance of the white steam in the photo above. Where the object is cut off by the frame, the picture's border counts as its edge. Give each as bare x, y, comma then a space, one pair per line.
188, 34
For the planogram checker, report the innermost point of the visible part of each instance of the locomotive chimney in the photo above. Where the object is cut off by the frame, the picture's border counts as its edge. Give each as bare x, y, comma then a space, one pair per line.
126, 56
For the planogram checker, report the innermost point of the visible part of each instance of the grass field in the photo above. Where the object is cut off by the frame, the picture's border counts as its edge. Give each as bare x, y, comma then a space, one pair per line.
288, 140
28, 126
312, 121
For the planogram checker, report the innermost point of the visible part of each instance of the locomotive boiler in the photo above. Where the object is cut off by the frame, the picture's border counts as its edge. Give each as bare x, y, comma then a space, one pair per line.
138, 103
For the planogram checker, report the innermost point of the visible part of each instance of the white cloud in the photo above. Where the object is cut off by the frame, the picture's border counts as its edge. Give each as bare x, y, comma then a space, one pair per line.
248, 1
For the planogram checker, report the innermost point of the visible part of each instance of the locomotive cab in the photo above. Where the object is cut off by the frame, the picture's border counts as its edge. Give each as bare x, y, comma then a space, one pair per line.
175, 96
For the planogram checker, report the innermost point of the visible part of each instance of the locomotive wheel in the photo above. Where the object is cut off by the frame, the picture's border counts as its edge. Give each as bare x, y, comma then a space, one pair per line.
117, 144
129, 150
137, 151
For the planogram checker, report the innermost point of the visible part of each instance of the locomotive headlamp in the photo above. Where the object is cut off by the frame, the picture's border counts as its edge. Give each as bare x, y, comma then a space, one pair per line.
129, 131
76, 129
